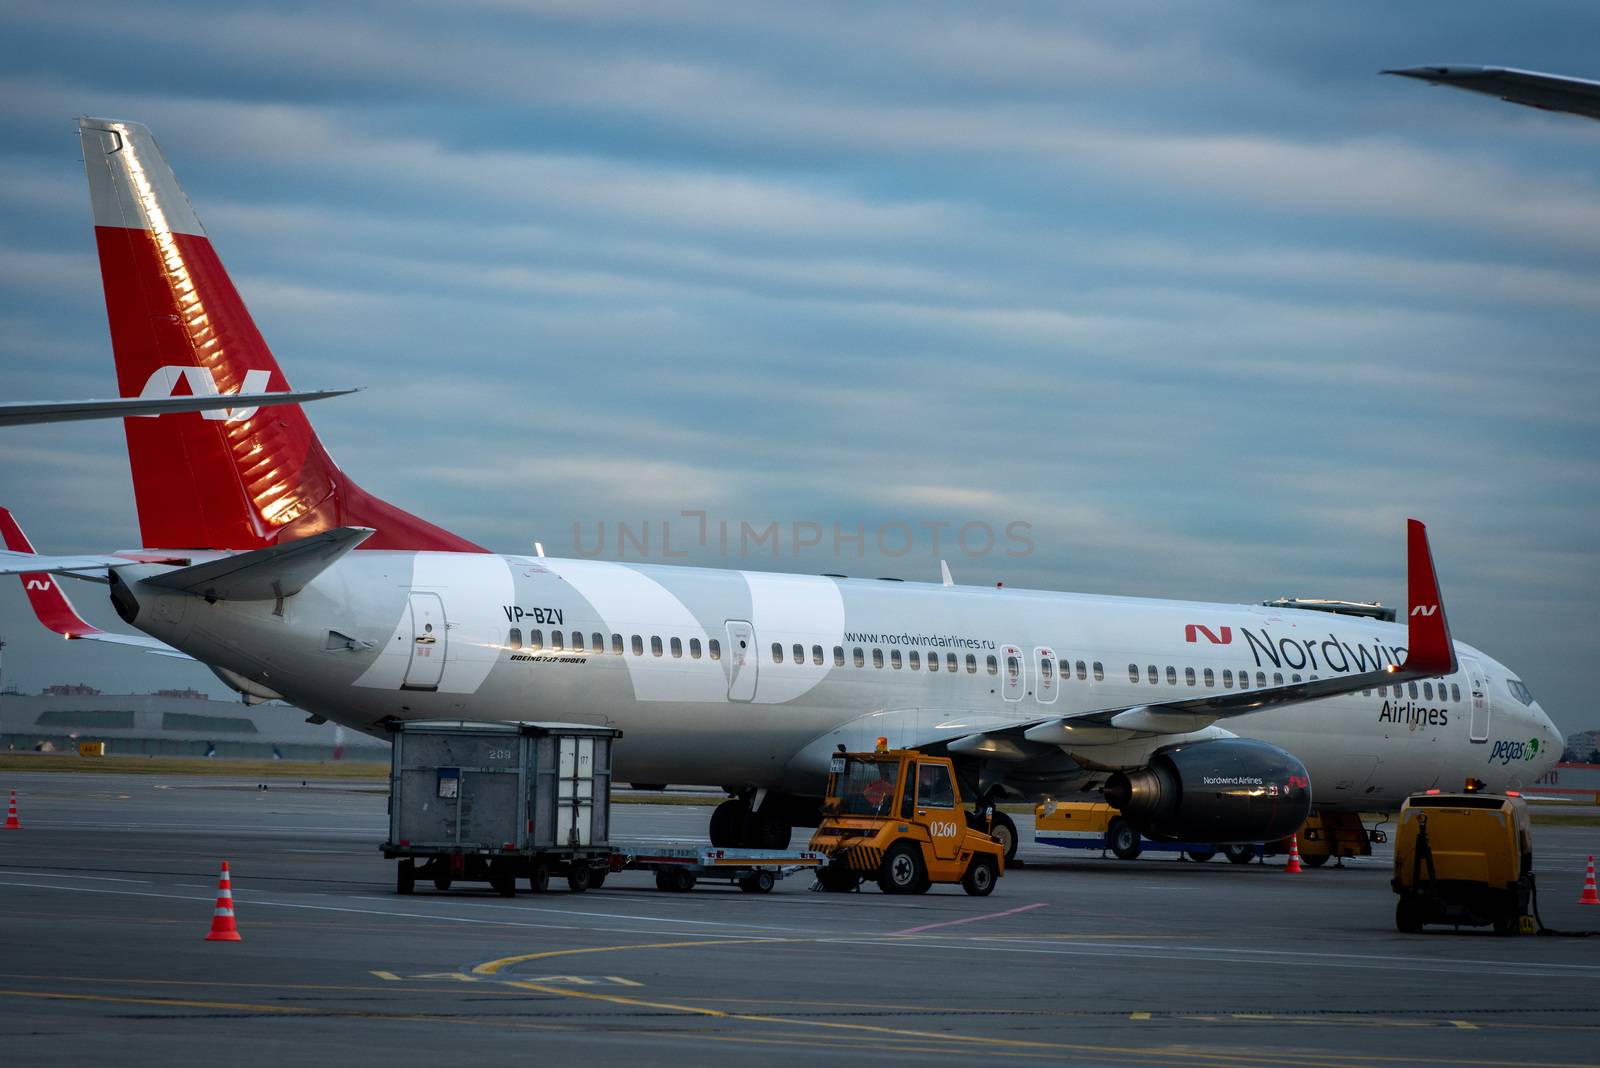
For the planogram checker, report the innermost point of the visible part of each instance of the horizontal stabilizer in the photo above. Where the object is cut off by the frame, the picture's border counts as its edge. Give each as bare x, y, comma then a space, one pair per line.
1534, 89
264, 574
232, 406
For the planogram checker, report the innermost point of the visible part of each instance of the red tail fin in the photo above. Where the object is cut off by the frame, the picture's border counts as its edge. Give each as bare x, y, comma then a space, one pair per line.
239, 479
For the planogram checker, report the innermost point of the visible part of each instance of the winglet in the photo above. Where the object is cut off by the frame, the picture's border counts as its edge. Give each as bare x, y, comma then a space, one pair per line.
1429, 650
49, 603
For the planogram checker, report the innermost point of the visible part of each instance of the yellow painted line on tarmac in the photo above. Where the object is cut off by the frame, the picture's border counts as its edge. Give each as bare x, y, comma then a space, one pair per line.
494, 967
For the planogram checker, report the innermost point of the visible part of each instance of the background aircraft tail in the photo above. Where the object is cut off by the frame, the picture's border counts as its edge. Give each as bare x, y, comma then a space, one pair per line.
228, 479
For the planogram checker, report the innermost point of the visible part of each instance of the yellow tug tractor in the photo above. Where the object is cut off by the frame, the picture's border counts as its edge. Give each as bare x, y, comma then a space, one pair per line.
895, 815
1464, 859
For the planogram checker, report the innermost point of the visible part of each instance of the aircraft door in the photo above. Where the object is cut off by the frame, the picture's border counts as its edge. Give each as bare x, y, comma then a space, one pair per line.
429, 638
1013, 673
1045, 665
743, 662
1479, 729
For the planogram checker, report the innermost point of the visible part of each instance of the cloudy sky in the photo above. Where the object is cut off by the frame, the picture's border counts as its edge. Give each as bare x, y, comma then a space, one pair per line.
1189, 289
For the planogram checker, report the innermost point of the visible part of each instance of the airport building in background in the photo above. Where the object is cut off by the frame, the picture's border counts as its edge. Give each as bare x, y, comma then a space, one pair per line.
173, 723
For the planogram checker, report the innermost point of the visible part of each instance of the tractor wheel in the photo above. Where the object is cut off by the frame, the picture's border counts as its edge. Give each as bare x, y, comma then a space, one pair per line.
1408, 916
980, 877
903, 871
837, 880
1123, 839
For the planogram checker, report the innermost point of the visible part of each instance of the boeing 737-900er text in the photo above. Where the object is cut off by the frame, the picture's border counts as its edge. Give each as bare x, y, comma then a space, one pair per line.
266, 563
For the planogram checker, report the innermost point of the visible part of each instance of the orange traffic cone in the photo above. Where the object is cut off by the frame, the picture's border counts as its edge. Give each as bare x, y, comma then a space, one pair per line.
223, 929
12, 823
1590, 896
1293, 867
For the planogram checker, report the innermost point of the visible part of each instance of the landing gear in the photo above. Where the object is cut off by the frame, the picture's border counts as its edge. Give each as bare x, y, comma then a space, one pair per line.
734, 826
1004, 831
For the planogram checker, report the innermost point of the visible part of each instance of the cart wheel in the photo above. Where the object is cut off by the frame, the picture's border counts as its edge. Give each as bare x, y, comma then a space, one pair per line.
579, 877
1200, 856
597, 878
979, 879
405, 879
903, 871
1123, 839
760, 882
441, 882
503, 879
539, 878
664, 880
1407, 916
1239, 854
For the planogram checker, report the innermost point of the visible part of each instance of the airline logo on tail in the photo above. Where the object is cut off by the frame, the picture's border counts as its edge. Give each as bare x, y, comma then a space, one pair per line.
164, 383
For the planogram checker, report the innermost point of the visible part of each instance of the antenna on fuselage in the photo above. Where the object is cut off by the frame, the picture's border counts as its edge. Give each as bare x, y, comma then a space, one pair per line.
538, 549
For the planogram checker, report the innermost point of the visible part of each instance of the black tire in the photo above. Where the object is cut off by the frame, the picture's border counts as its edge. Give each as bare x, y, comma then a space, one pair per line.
1239, 854
539, 878
1407, 916
503, 879
727, 822
769, 828
441, 883
1004, 831
1315, 860
758, 882
579, 876
683, 880
1200, 856
1123, 840
405, 879
1506, 923
903, 871
664, 880
980, 877
837, 880
597, 878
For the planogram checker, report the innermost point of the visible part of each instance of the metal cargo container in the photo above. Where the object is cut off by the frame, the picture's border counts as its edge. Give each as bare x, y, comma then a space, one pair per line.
494, 801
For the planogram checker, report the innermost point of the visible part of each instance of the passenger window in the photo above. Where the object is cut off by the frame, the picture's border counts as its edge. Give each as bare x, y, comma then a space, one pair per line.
1455, 692
1013, 668
972, 664
950, 662
1277, 678
1099, 672
1261, 678
915, 659
777, 652
1133, 673
1427, 691
1244, 680
598, 644
1172, 675
1155, 676
616, 644
535, 640
934, 789
933, 661
1413, 687
638, 645
816, 655
555, 641
655, 645
714, 649
858, 656
838, 656
577, 641
1210, 678
1227, 678
799, 653
894, 659
1047, 670
877, 658
694, 648
1188, 675
677, 648
993, 665
515, 640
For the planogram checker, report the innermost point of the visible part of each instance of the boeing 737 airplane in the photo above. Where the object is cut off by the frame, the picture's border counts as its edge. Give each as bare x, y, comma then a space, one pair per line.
265, 562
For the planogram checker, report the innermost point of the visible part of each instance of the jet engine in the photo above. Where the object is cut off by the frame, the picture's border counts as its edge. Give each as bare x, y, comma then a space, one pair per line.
1225, 790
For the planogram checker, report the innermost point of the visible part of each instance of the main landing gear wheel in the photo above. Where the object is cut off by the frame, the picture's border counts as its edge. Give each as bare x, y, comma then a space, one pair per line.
1123, 839
1239, 854
768, 828
727, 820
1003, 830
980, 876
405, 879
903, 871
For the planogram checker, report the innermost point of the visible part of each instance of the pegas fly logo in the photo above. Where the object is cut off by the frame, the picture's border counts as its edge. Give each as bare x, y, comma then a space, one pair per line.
1506, 752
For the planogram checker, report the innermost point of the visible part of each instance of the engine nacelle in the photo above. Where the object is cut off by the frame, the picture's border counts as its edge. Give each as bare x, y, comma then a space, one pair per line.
1222, 791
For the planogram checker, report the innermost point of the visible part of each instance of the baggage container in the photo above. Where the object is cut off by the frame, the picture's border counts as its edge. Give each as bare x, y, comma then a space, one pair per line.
495, 802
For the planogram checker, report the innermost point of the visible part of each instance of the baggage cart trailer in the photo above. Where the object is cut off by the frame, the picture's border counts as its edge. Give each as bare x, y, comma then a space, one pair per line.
680, 866
498, 802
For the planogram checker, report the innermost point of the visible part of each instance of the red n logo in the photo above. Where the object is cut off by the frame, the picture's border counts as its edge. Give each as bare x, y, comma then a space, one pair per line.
1192, 632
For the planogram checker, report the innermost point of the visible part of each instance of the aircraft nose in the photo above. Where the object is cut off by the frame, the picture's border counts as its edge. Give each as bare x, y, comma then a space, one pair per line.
1551, 743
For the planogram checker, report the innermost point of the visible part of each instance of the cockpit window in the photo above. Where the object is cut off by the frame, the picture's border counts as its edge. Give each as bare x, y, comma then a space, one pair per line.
1519, 691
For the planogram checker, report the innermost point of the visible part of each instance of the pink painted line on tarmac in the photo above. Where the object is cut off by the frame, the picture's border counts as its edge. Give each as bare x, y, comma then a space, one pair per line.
971, 919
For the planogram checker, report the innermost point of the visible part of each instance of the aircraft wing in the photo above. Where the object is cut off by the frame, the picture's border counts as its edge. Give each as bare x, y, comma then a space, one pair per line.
1548, 92
1430, 652
50, 602
24, 412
